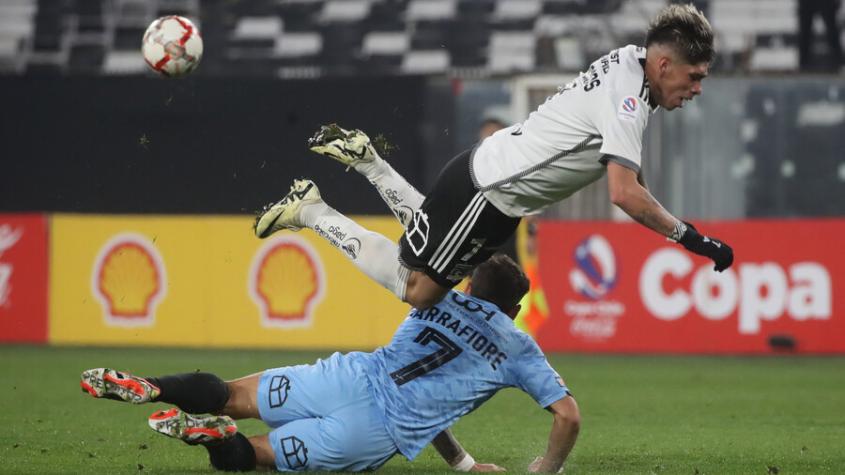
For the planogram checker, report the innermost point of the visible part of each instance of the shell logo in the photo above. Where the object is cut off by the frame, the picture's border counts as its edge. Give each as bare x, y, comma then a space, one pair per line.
287, 282
129, 280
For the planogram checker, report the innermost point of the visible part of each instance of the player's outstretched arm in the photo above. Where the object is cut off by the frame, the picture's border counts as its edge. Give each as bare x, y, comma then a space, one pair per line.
565, 427
450, 449
627, 192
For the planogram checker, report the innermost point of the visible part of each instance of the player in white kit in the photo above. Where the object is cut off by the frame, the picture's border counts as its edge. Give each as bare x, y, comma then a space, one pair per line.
592, 126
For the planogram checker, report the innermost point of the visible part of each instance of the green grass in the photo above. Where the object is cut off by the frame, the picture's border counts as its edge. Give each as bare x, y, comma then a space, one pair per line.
708, 415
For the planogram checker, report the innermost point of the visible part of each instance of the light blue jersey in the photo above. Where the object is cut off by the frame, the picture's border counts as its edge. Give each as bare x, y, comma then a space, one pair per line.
446, 361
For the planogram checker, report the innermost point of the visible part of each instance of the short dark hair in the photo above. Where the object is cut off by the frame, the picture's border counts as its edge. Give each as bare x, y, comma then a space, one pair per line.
684, 28
499, 280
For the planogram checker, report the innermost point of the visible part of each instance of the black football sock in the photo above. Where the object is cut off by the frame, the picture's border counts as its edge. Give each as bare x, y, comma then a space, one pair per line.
232, 455
194, 393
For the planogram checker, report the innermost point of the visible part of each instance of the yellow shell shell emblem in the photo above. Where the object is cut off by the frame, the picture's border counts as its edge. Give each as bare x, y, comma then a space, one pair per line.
129, 280
287, 282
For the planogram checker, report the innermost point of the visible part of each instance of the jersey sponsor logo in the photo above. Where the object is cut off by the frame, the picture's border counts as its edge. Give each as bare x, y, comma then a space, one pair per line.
129, 280
472, 306
277, 394
594, 277
287, 281
295, 452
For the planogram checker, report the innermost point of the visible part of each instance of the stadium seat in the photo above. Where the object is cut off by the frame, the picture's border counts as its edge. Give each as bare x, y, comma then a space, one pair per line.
430, 10
352, 35
425, 61
344, 10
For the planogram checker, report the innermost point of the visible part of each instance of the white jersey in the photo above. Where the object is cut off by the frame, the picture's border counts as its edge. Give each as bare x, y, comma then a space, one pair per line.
565, 144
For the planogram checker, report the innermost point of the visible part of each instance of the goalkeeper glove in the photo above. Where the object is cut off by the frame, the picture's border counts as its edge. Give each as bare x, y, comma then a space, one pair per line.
721, 253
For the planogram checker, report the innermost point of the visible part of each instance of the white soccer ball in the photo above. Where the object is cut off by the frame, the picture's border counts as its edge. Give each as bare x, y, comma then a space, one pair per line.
172, 46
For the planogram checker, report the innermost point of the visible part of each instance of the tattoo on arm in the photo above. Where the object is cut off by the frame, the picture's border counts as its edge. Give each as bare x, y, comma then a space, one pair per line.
448, 447
652, 215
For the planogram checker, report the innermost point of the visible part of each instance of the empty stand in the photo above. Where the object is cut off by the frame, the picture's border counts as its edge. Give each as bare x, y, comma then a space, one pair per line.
340, 37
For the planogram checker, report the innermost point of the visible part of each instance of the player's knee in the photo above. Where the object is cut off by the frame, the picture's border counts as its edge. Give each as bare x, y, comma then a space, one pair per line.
422, 292
242, 403
570, 416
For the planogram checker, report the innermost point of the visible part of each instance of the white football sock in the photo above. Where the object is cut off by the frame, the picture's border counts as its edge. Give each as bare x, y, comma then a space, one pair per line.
401, 197
375, 255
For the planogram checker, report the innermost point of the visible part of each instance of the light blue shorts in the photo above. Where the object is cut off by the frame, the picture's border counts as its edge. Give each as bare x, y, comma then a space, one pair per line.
323, 417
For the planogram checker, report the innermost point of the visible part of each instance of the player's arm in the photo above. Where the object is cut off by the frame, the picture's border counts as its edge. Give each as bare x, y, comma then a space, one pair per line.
565, 427
628, 193
641, 179
454, 454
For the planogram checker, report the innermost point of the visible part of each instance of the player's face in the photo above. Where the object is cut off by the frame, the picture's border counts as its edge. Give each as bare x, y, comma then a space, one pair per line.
678, 82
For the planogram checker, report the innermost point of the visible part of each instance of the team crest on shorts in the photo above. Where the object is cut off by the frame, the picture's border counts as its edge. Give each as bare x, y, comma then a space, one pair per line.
296, 455
277, 394
417, 233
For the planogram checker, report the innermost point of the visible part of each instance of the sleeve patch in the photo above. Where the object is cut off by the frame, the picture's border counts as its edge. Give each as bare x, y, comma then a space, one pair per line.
628, 108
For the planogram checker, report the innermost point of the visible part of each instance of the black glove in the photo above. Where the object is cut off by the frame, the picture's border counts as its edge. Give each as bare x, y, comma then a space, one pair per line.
721, 253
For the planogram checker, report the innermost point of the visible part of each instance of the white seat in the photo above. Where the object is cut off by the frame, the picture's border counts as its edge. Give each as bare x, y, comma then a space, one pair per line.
345, 10
511, 51
298, 44
774, 59
385, 42
256, 28
430, 10
517, 9
124, 62
425, 61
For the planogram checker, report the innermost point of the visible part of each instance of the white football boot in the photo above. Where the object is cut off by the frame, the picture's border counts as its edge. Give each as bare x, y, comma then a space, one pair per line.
285, 214
112, 384
349, 147
192, 429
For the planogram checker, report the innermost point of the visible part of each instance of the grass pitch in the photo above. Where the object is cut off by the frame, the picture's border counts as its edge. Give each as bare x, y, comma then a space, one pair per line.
687, 415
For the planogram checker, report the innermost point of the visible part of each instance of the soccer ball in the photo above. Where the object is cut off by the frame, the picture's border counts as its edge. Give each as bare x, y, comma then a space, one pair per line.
172, 46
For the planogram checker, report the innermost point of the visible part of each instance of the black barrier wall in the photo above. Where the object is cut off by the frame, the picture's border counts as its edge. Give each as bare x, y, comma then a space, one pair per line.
145, 145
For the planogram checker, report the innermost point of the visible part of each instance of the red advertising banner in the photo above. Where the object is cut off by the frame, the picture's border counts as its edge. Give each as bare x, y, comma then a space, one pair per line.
23, 278
619, 287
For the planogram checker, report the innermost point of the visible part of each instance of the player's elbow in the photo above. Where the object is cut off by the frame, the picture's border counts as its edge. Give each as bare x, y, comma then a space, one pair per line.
620, 196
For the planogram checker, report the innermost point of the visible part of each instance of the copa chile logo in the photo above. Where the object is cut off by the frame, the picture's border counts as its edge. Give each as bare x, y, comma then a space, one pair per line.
596, 273
629, 104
